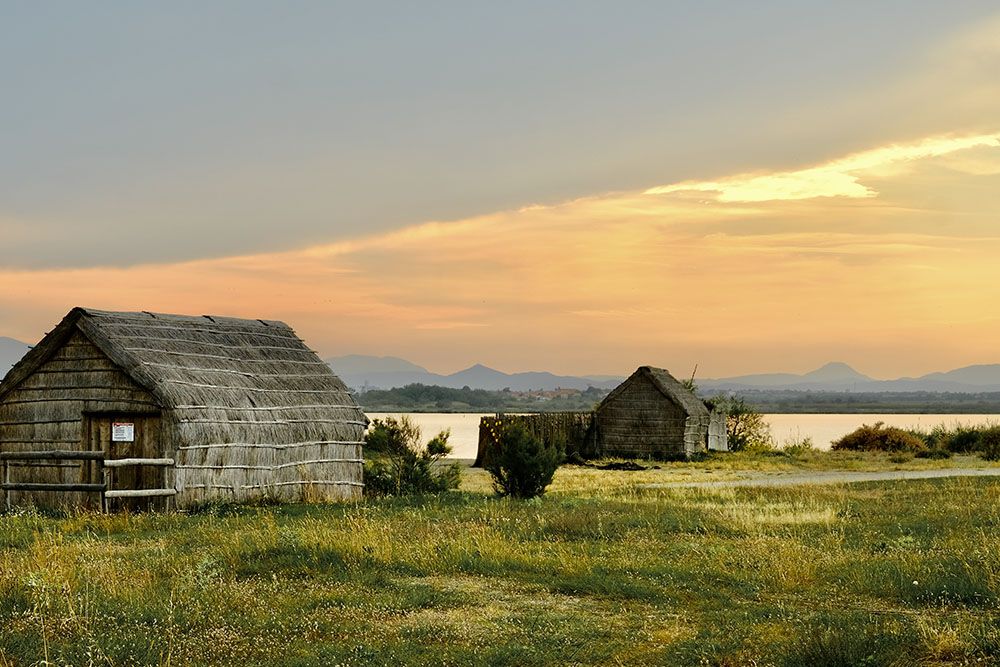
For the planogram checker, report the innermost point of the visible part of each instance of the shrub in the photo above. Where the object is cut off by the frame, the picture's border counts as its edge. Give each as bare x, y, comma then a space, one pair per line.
935, 452
396, 464
989, 443
881, 438
524, 464
745, 427
801, 447
963, 439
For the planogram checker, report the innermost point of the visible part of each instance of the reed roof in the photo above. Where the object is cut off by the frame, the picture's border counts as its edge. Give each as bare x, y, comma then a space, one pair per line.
667, 385
211, 370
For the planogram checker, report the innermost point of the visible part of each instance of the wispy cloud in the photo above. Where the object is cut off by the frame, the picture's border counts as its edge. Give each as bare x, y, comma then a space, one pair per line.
838, 178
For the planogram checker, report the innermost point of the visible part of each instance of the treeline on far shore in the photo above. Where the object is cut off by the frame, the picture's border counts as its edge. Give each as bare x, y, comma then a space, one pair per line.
432, 398
910, 402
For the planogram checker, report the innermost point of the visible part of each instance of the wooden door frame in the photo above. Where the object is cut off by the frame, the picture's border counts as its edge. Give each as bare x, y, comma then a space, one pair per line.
88, 418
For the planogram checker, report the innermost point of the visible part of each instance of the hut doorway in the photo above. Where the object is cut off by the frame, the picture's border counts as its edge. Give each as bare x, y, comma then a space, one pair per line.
124, 437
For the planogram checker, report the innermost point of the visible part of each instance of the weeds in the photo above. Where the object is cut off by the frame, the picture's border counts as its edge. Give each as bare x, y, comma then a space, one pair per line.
595, 572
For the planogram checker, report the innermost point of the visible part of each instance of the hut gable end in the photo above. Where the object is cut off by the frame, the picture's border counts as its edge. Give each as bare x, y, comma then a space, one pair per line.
651, 415
47, 405
47, 410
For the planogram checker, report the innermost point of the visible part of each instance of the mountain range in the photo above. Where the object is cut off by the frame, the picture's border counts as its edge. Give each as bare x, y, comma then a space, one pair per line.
368, 372
11, 352
364, 372
838, 376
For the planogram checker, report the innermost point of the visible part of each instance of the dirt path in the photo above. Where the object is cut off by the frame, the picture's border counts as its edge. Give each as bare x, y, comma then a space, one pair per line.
832, 477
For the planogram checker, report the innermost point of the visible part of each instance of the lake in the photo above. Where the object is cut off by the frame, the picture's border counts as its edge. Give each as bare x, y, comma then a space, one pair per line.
822, 429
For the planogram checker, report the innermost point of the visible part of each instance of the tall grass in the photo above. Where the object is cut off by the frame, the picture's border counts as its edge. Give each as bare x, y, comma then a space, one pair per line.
596, 572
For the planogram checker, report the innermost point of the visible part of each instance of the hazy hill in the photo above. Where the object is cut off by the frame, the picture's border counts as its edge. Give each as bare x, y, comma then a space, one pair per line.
834, 375
841, 377
359, 371
11, 352
979, 375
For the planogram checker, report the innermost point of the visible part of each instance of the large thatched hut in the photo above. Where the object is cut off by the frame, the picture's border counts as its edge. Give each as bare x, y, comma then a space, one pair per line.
144, 410
652, 415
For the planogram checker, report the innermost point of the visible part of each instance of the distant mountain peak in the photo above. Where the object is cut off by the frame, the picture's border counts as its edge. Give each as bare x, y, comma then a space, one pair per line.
836, 370
11, 352
366, 372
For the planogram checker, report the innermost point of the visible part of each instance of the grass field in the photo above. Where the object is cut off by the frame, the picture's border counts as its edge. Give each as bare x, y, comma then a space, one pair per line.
596, 572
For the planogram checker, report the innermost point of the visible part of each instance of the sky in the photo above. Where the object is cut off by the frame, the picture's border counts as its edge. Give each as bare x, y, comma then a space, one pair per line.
577, 187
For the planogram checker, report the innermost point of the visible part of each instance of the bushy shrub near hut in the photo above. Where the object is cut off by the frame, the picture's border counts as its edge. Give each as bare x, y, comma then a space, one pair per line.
523, 465
881, 438
746, 428
397, 464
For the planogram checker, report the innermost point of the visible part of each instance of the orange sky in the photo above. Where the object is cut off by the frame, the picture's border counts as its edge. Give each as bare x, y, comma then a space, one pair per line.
885, 255
887, 259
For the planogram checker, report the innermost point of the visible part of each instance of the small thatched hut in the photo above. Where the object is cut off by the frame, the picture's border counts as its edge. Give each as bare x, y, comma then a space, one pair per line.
143, 410
652, 415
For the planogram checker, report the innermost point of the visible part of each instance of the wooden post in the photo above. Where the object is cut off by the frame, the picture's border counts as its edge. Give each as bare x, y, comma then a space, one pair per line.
109, 479
102, 474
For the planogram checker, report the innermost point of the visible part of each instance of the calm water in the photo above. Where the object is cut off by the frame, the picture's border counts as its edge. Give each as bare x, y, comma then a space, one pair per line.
823, 429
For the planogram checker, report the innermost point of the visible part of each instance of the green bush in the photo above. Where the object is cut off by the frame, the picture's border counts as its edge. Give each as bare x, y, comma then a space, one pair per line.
881, 438
989, 443
745, 427
935, 452
963, 439
524, 464
397, 465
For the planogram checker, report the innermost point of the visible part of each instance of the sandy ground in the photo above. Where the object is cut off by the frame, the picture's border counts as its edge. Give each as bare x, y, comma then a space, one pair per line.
830, 477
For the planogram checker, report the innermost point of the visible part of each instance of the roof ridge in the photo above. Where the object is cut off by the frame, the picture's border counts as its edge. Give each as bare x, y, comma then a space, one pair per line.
148, 315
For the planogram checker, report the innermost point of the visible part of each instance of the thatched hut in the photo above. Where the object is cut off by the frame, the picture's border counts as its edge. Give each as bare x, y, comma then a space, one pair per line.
143, 410
652, 415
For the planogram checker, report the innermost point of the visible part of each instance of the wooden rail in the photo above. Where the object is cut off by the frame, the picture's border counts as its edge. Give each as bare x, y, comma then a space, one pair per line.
53, 454
106, 467
7, 458
109, 476
121, 463
39, 486
140, 493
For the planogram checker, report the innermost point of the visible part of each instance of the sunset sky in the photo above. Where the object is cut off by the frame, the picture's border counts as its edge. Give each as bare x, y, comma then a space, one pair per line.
577, 187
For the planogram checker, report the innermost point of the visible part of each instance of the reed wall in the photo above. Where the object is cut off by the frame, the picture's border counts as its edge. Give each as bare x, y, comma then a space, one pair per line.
45, 412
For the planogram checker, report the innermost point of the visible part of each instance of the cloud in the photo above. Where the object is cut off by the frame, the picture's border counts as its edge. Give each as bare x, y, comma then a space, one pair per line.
838, 178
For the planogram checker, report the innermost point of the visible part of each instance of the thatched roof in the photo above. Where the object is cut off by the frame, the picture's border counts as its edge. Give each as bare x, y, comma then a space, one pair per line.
668, 385
213, 371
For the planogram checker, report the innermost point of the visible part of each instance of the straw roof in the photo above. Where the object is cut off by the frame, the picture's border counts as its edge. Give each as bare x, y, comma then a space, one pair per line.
217, 372
668, 385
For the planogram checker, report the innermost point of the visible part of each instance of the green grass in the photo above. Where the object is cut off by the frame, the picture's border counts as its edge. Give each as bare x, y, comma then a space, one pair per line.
598, 571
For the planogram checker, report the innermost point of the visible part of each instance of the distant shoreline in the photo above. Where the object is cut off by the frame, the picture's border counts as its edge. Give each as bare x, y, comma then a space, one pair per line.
435, 399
